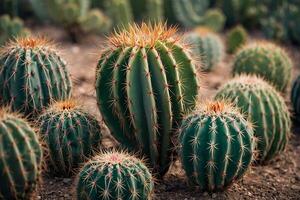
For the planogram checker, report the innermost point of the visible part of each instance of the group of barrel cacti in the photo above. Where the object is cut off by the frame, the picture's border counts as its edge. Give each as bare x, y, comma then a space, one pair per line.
147, 87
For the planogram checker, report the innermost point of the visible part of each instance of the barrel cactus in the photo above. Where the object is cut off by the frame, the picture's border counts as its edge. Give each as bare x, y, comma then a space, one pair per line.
70, 135
295, 97
214, 19
20, 157
148, 10
236, 38
263, 106
114, 176
142, 90
266, 60
208, 45
32, 75
216, 146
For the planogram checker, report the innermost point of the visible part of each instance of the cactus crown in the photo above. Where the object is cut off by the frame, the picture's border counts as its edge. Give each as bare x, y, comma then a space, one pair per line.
203, 30
261, 44
64, 105
250, 81
218, 108
114, 158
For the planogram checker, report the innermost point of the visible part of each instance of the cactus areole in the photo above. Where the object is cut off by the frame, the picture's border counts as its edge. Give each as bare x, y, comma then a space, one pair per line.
146, 82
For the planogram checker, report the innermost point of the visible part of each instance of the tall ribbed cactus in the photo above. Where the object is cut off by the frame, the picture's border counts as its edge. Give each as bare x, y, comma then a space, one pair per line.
216, 146
145, 82
148, 10
20, 157
32, 75
236, 38
115, 176
70, 135
266, 60
295, 97
265, 108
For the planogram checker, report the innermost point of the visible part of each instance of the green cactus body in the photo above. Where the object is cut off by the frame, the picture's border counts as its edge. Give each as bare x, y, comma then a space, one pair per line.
216, 146
20, 158
236, 38
70, 135
114, 176
148, 10
292, 21
295, 97
265, 108
142, 90
214, 19
265, 60
32, 75
208, 45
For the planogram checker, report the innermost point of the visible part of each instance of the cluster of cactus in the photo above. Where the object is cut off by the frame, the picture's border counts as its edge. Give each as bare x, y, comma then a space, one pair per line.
142, 91
32, 75
208, 45
236, 38
70, 134
265, 108
148, 10
295, 97
216, 146
115, 176
11, 27
20, 157
266, 60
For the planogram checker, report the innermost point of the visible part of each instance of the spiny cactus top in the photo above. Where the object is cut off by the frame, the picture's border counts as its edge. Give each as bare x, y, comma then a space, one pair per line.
216, 146
115, 176
146, 82
266, 60
32, 75
265, 108
20, 157
295, 96
71, 135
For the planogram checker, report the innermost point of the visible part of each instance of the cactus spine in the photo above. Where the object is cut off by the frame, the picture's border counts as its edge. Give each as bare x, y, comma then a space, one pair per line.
142, 90
266, 60
265, 108
236, 38
114, 176
295, 96
20, 157
70, 135
32, 75
216, 146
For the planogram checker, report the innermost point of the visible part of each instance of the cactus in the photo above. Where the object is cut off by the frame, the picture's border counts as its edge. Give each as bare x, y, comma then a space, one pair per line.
148, 10
208, 45
295, 97
32, 75
214, 19
70, 135
292, 20
10, 28
236, 38
263, 106
216, 146
266, 60
114, 176
142, 89
20, 157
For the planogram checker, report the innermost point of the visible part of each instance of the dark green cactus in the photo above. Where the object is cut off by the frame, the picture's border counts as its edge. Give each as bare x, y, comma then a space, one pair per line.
207, 45
216, 146
265, 108
292, 20
295, 97
115, 176
266, 60
32, 75
236, 38
20, 157
148, 10
143, 92
70, 135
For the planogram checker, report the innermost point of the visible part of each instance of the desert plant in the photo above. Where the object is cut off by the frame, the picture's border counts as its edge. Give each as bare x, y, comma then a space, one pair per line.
142, 89
295, 97
265, 108
267, 60
114, 176
20, 157
148, 10
32, 75
70, 134
214, 19
216, 146
236, 38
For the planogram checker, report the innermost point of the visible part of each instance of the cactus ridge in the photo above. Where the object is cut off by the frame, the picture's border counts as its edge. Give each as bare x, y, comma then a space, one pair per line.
295, 96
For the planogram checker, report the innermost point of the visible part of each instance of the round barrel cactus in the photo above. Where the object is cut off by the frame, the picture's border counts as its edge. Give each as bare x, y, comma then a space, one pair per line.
20, 157
216, 146
114, 176
265, 108
70, 135
146, 81
236, 38
295, 96
265, 60
32, 75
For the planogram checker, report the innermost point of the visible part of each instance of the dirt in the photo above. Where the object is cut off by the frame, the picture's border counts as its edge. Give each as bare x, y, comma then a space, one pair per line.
280, 179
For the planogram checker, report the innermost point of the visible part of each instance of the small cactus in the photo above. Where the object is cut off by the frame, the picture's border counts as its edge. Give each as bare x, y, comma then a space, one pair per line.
115, 176
265, 108
32, 75
267, 61
142, 91
70, 135
20, 157
214, 19
295, 97
216, 146
236, 38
